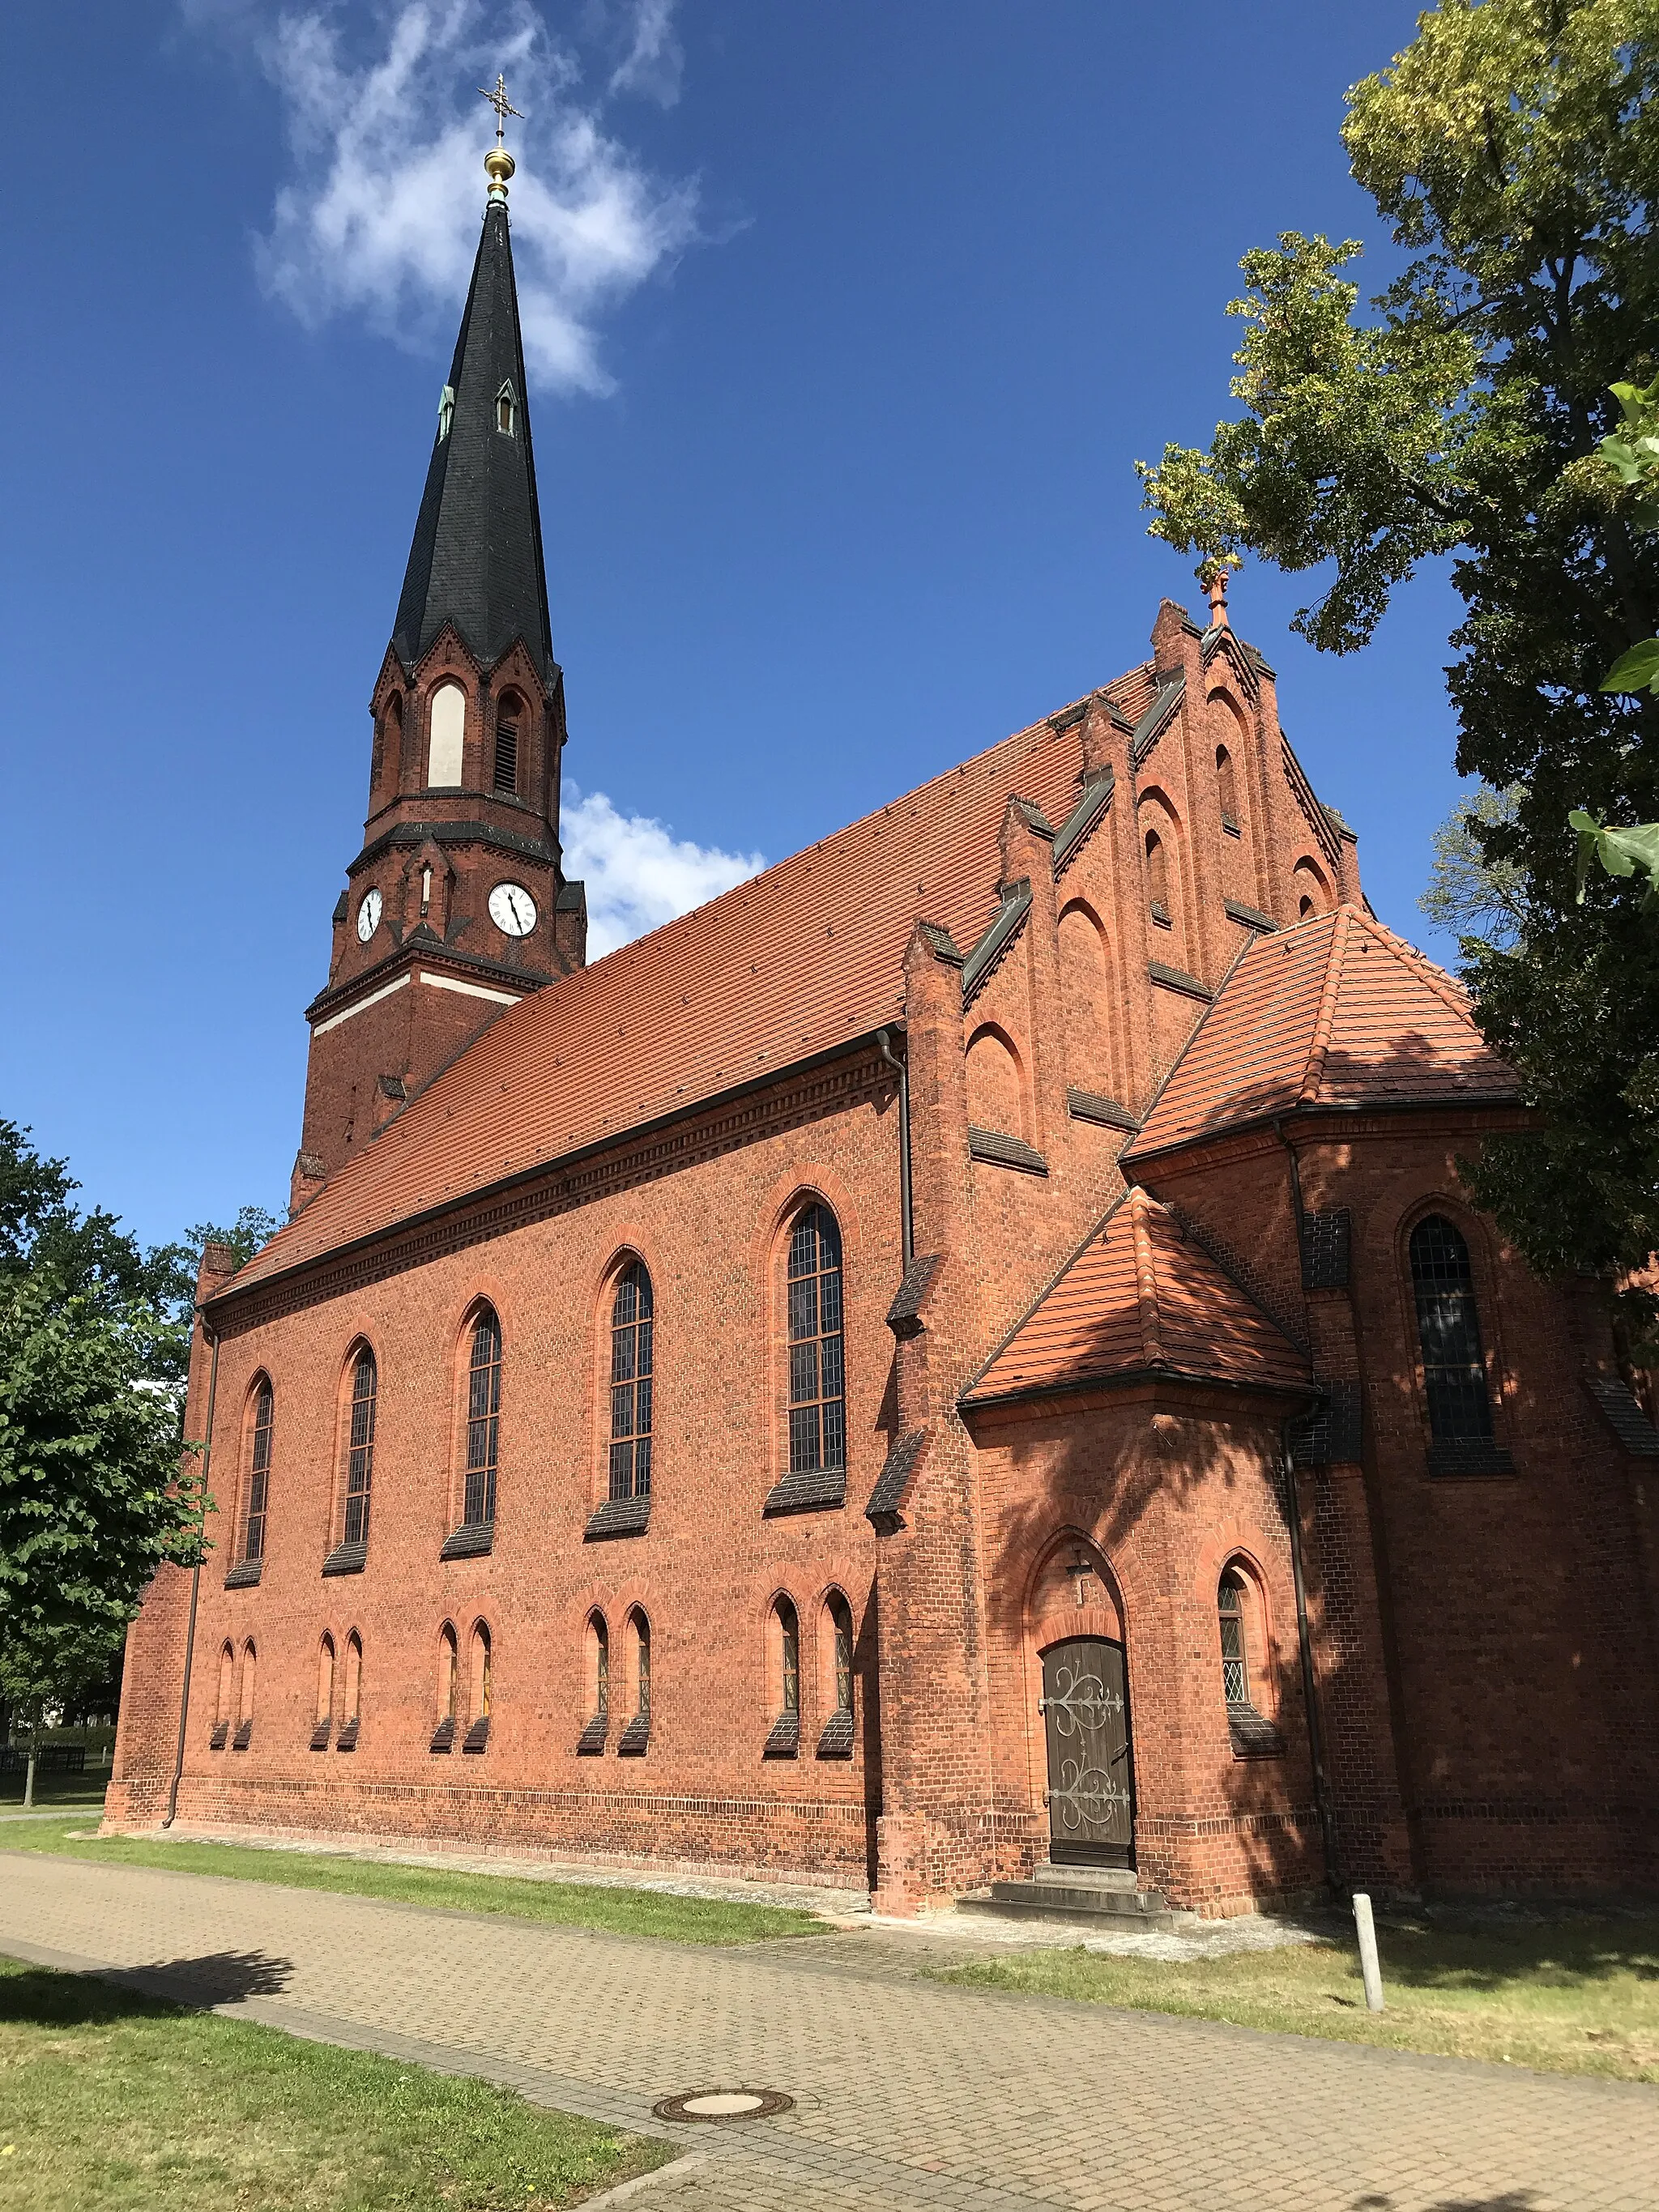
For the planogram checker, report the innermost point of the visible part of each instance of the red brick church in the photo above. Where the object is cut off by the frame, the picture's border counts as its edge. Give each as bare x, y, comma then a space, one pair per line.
966, 1359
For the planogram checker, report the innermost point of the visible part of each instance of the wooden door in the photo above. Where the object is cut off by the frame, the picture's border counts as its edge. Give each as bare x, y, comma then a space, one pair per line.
1085, 1710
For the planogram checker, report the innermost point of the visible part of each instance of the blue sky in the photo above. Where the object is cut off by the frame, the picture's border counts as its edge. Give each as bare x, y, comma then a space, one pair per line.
849, 322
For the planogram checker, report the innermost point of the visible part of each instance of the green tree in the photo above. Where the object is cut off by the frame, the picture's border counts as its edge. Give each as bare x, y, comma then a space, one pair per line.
94, 1341
1513, 150
92, 1498
1468, 894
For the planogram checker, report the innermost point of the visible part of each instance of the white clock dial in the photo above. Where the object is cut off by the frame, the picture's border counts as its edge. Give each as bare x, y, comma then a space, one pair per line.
512, 909
368, 916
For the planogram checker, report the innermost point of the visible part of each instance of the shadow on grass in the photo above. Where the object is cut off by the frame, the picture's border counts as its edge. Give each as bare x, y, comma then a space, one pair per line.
45, 1997
1487, 1952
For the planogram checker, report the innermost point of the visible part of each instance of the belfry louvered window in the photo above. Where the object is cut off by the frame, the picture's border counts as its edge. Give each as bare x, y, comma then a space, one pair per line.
632, 1361
1449, 1328
483, 1407
817, 1381
507, 745
360, 1449
258, 1475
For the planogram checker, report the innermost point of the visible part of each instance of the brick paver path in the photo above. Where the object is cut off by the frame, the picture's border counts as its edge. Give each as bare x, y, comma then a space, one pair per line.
908, 2095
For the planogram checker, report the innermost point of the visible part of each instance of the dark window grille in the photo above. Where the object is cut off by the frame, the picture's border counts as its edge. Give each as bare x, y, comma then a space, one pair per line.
632, 1354
817, 1381
483, 1406
1235, 1665
507, 754
259, 1477
360, 1456
842, 1615
1448, 1328
602, 1670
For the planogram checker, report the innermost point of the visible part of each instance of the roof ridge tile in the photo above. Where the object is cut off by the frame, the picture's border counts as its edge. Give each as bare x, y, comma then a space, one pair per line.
1319, 1042
1151, 1330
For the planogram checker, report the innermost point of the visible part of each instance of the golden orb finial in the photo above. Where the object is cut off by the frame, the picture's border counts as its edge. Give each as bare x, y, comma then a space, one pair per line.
499, 164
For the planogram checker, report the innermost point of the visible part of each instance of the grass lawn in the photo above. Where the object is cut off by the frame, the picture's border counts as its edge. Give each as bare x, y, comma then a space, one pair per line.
113, 2102
1575, 1995
567, 1904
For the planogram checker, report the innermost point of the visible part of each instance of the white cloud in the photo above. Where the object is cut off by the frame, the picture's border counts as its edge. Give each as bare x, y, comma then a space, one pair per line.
655, 59
638, 873
380, 217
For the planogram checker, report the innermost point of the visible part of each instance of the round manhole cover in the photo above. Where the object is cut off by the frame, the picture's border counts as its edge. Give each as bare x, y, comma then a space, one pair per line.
723, 2104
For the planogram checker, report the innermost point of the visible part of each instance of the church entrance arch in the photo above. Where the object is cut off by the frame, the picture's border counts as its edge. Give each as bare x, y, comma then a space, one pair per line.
1086, 1715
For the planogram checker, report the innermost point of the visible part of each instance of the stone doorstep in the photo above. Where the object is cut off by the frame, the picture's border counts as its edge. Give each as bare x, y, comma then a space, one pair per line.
1100, 1897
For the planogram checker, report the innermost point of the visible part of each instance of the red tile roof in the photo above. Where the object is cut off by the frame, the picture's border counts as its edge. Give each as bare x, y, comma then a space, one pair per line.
1142, 1294
1339, 1011
792, 963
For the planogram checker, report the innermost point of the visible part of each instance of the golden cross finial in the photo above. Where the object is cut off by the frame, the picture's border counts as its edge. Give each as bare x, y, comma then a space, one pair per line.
503, 107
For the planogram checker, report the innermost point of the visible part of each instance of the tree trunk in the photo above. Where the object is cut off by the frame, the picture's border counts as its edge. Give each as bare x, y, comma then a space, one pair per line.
28, 1781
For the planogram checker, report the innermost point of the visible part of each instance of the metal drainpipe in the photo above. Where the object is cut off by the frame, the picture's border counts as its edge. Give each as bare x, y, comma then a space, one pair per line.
195, 1587
907, 1225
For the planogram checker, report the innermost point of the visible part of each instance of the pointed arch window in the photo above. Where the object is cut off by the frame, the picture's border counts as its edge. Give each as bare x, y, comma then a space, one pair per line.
244, 1735
360, 1447
633, 1380
636, 1735
1227, 785
1448, 1331
449, 1688
784, 1741
1157, 877
325, 1720
506, 410
258, 1475
1235, 1657
351, 1709
222, 1702
817, 1377
836, 1741
483, 1409
482, 1681
591, 1741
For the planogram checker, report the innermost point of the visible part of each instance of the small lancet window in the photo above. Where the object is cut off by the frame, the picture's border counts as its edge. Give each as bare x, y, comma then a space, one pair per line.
1157, 877
505, 404
1235, 1658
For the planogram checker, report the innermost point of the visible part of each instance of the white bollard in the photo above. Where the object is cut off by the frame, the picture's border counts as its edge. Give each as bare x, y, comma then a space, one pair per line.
1370, 1969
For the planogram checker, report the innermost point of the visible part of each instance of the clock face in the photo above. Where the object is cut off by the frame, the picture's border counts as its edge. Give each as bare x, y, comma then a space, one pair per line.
368, 916
512, 909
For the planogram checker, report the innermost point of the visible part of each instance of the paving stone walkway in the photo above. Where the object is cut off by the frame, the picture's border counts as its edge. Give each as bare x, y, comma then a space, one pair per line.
909, 2096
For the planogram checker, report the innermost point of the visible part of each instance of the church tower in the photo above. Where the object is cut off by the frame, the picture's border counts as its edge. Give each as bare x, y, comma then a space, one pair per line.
456, 905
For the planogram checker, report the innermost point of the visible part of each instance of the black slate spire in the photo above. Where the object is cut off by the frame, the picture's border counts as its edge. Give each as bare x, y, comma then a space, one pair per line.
476, 558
